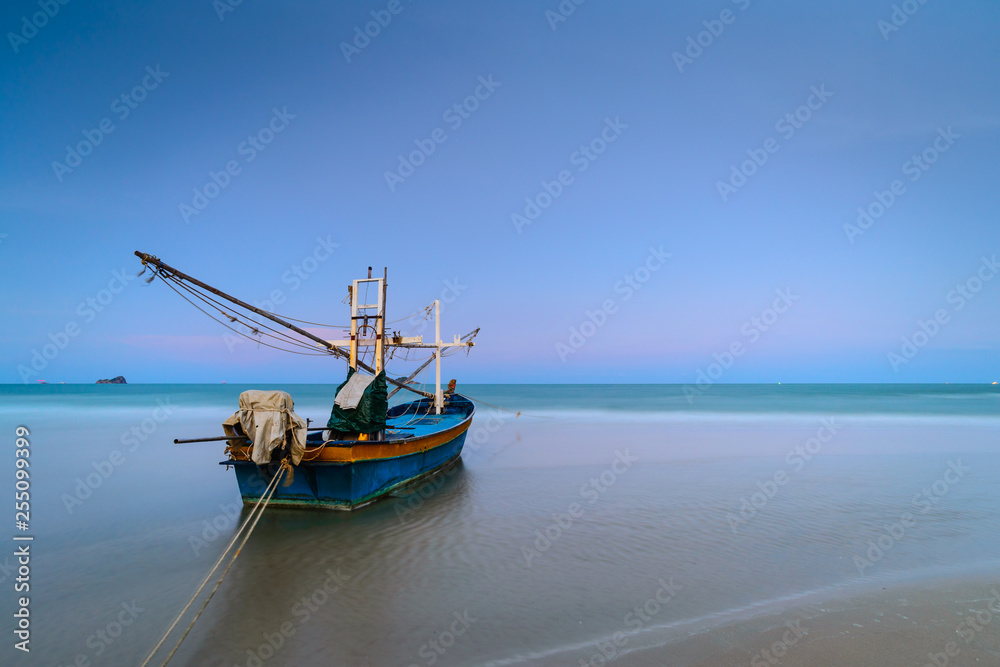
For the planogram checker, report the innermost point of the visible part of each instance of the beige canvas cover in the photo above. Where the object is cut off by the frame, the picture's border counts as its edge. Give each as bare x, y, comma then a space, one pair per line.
265, 417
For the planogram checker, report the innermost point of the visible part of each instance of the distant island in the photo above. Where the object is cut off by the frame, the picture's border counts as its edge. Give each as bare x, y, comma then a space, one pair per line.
116, 380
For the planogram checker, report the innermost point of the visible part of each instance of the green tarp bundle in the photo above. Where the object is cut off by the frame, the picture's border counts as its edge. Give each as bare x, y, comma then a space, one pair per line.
369, 416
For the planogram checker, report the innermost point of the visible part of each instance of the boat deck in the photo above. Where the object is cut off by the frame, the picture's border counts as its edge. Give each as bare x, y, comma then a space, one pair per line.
411, 420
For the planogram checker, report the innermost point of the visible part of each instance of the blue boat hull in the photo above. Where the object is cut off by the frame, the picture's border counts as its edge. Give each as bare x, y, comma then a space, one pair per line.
351, 484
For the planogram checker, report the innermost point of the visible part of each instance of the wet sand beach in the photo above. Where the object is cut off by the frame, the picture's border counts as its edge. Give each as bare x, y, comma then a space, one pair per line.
939, 623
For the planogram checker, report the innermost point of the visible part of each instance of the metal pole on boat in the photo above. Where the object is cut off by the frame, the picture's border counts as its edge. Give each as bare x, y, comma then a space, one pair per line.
438, 399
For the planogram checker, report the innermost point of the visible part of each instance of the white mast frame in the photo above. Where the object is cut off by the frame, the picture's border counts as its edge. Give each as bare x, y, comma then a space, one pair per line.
381, 343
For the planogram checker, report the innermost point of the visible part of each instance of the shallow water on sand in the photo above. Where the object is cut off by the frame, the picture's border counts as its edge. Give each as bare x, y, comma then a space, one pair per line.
601, 509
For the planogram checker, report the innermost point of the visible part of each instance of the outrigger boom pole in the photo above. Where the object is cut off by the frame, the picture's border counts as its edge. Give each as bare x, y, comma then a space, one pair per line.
155, 261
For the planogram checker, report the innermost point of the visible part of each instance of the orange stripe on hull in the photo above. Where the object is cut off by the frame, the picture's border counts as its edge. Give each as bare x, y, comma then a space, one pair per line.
368, 451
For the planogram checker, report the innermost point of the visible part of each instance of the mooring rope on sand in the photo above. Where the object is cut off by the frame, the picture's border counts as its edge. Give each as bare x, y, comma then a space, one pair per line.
265, 499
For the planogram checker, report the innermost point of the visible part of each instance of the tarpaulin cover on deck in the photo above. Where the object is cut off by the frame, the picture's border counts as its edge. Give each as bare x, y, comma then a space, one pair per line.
369, 415
265, 417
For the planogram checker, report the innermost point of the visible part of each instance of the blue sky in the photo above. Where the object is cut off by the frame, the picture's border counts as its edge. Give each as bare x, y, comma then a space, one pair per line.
627, 149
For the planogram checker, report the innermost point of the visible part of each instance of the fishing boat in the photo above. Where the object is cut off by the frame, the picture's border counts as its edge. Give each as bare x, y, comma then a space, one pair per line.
367, 449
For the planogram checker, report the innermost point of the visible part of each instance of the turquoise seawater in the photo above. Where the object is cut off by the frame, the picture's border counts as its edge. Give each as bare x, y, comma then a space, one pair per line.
537, 549
931, 399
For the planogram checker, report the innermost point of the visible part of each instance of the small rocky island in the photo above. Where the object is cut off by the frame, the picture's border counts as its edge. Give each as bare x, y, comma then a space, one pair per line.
115, 380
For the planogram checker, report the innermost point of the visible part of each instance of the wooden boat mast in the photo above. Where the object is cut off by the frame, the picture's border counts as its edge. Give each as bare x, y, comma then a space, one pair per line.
361, 311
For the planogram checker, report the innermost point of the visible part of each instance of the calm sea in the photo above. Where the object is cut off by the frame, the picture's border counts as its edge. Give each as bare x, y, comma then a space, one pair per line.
601, 509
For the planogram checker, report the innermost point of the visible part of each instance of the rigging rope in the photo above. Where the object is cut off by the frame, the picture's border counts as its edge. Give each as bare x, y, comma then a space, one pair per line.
496, 407
318, 324
219, 307
426, 312
170, 284
416, 404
